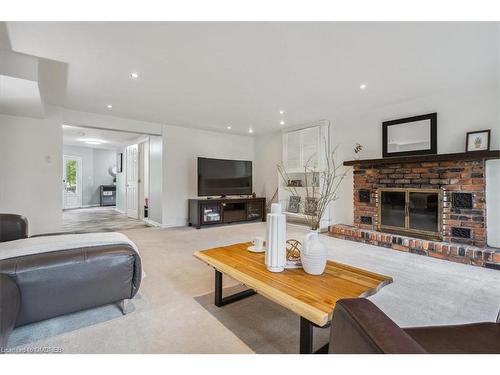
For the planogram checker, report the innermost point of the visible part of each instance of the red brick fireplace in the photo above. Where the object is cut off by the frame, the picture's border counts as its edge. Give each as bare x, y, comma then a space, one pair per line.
431, 205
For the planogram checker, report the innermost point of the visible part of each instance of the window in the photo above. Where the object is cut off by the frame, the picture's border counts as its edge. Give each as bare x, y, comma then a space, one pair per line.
71, 175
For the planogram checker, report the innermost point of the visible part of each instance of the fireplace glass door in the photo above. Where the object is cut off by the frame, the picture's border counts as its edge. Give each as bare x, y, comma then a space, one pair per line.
393, 209
415, 211
423, 211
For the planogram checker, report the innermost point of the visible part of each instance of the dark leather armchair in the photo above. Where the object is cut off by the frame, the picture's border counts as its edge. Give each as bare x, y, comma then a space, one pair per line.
360, 327
13, 227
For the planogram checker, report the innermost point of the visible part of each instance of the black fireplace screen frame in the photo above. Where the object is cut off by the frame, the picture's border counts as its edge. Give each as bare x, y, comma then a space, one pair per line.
438, 235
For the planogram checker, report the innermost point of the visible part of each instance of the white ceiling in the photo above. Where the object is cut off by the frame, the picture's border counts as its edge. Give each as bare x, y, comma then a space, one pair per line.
210, 75
108, 139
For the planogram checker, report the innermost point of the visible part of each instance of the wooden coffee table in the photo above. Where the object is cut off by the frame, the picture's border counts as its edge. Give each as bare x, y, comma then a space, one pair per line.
313, 298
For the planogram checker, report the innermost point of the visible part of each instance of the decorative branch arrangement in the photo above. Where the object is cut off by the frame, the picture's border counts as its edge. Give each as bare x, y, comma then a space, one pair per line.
321, 186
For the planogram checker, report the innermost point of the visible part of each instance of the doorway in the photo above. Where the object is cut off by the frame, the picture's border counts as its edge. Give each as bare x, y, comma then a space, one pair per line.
72, 182
105, 180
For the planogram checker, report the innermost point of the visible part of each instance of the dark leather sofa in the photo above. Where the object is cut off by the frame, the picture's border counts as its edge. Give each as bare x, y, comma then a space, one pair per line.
42, 286
360, 327
10, 302
13, 227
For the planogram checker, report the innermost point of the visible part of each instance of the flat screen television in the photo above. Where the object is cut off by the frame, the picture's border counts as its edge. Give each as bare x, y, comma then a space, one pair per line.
224, 177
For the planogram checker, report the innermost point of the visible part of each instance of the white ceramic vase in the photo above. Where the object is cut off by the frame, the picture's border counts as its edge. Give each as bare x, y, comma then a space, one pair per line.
276, 239
313, 254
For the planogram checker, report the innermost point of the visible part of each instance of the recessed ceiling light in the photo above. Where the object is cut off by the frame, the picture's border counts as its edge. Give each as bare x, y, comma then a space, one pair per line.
282, 122
363, 86
134, 75
64, 126
92, 141
282, 112
250, 130
109, 106
229, 127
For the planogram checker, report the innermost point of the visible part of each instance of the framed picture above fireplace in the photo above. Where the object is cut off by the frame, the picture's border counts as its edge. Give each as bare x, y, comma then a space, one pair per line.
408, 136
478, 141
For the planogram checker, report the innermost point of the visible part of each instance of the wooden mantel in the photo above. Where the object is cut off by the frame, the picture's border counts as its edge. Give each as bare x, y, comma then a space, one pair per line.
475, 155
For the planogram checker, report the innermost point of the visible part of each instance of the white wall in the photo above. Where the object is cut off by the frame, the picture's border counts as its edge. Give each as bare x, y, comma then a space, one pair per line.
95, 120
155, 179
268, 153
459, 110
31, 169
181, 147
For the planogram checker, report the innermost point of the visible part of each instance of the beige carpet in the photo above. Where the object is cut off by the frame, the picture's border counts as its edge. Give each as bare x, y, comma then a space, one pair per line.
266, 327
167, 318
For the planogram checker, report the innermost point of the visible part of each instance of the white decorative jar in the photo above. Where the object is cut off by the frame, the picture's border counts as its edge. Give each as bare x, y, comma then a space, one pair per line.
276, 239
313, 254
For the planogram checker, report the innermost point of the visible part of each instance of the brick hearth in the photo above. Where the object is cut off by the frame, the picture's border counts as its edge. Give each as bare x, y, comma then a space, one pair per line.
486, 257
462, 182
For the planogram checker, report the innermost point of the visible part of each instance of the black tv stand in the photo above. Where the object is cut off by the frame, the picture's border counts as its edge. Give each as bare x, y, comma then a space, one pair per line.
222, 210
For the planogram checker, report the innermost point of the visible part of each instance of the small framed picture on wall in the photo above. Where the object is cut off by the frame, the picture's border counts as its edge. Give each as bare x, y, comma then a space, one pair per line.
478, 141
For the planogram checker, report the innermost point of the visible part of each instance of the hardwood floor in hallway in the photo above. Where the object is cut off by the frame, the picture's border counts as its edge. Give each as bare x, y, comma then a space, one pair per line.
98, 219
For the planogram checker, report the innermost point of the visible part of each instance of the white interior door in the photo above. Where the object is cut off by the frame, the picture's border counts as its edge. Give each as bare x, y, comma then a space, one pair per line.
132, 181
72, 181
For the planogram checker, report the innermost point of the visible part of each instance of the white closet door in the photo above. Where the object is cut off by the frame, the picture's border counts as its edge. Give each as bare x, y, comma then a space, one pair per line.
132, 185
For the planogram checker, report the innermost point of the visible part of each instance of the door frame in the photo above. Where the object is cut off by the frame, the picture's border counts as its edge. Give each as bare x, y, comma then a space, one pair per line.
78, 180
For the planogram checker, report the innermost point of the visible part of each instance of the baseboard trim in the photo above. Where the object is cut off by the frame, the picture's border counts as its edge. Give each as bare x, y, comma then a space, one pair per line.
173, 225
153, 223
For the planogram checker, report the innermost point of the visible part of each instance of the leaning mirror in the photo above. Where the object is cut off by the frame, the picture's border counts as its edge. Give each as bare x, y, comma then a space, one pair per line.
410, 136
